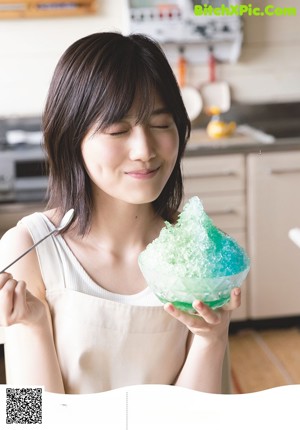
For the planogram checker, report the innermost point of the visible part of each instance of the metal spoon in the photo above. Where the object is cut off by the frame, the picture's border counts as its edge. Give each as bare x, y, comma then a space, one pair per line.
67, 218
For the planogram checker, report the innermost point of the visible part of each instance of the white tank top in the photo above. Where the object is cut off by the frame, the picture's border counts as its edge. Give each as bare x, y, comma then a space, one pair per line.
103, 340
78, 279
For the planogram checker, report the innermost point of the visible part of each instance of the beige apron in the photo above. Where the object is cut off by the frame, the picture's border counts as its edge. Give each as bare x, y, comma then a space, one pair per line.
102, 344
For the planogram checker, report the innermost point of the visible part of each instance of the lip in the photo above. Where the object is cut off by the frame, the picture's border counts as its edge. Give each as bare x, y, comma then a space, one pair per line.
143, 173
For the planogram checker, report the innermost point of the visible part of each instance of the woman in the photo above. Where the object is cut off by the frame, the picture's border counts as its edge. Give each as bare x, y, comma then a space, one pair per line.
81, 318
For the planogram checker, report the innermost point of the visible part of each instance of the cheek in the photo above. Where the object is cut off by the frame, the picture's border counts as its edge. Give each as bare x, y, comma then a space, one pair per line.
171, 146
109, 157
96, 155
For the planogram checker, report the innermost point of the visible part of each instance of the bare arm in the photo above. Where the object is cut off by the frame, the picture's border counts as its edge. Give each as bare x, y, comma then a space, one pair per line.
202, 370
30, 354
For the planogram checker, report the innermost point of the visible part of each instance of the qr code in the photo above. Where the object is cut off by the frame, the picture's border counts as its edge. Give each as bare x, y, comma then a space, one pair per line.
24, 405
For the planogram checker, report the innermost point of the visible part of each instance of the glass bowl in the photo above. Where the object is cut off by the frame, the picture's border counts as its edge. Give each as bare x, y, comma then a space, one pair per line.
181, 292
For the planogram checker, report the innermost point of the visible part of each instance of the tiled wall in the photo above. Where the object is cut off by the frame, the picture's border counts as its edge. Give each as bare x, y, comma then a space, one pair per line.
267, 71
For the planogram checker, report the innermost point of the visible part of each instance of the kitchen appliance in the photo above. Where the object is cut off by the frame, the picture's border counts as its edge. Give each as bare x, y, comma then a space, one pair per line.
23, 175
23, 170
174, 22
23, 164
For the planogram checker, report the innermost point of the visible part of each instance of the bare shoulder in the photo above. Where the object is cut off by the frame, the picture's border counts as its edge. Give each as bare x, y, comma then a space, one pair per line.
14, 240
12, 244
19, 237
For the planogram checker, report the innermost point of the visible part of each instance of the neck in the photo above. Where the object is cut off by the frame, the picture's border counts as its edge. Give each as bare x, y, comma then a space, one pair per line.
118, 225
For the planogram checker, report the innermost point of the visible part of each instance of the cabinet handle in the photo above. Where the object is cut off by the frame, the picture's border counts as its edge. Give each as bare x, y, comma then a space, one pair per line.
222, 212
284, 171
213, 174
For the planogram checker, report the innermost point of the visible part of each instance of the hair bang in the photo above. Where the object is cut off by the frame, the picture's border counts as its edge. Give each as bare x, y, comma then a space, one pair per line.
123, 95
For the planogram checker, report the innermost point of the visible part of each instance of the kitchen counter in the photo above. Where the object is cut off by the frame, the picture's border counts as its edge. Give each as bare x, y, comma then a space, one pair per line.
201, 144
280, 120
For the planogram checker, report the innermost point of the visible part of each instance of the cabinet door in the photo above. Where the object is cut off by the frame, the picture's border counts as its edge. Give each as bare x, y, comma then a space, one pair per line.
211, 174
219, 182
226, 211
273, 208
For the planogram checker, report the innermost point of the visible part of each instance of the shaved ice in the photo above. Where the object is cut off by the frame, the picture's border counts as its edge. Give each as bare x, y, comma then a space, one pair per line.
193, 259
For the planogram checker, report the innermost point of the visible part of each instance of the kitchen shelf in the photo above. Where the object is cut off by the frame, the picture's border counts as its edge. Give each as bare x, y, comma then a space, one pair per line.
13, 9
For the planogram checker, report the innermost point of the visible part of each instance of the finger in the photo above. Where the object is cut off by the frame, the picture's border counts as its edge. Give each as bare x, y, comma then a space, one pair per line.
176, 313
191, 321
7, 300
235, 300
20, 302
172, 310
4, 277
210, 316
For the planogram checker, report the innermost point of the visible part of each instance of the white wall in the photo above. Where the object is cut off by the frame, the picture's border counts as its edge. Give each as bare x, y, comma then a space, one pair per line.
30, 49
268, 69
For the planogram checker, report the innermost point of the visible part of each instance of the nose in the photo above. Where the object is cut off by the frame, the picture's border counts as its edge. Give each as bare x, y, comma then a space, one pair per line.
142, 145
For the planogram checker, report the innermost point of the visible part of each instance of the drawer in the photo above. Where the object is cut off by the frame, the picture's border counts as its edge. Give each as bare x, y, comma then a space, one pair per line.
228, 212
214, 173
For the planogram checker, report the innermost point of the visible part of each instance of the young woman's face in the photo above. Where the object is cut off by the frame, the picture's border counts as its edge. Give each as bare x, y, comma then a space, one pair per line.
132, 162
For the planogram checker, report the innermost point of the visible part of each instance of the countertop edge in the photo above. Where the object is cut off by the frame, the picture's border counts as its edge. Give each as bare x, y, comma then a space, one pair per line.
215, 148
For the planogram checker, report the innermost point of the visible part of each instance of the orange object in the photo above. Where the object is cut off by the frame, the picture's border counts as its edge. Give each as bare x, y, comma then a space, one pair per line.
181, 71
190, 95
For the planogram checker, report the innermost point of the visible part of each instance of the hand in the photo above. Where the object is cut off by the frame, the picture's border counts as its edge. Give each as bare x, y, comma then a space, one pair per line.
208, 323
17, 304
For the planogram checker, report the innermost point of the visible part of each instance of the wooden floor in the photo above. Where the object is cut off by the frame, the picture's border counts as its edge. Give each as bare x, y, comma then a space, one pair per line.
264, 359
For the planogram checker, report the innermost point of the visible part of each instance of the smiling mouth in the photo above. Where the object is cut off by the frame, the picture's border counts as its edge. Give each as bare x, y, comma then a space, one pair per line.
143, 173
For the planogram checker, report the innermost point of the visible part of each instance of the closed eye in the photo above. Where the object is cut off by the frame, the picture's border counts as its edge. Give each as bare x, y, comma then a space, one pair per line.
160, 126
117, 133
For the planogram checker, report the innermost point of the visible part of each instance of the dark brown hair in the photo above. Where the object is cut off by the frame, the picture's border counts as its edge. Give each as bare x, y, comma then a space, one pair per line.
95, 82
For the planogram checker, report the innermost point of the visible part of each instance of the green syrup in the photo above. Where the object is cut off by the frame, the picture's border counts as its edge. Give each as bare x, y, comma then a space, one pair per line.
188, 307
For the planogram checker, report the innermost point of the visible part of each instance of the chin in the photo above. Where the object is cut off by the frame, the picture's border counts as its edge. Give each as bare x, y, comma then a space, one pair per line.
142, 198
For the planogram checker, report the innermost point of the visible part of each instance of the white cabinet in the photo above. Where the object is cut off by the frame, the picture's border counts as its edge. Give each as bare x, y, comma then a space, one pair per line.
256, 199
273, 208
219, 182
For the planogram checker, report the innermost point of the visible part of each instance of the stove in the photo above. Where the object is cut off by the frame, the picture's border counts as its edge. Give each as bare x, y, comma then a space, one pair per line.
23, 164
